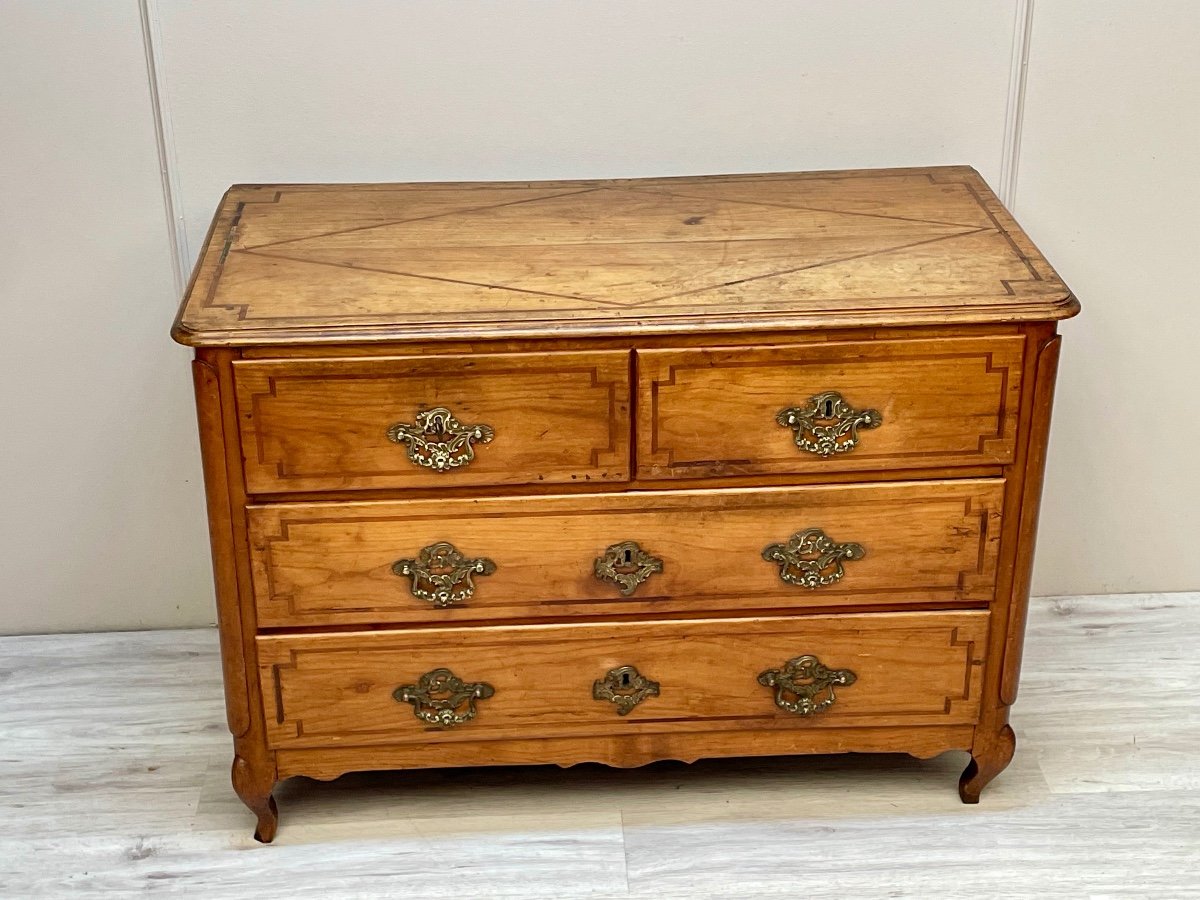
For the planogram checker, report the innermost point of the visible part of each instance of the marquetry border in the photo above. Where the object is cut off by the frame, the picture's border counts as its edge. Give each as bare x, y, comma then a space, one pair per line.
974, 584
251, 402
405, 728
972, 664
989, 547
1010, 382
1042, 279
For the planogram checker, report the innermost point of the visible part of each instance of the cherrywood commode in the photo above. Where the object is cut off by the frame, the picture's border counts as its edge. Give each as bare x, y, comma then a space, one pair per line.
618, 471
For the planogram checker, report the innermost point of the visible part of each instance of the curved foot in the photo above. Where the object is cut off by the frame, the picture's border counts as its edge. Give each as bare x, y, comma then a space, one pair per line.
254, 790
268, 822
989, 758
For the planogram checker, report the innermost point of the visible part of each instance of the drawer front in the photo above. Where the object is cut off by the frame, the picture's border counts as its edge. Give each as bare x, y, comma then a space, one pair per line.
544, 681
332, 424
880, 405
343, 563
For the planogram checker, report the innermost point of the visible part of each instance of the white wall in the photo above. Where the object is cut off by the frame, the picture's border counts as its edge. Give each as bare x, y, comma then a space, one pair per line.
103, 519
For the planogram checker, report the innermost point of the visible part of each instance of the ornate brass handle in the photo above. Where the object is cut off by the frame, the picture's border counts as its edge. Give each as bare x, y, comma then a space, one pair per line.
439, 441
827, 424
626, 565
811, 558
804, 686
625, 687
442, 698
442, 575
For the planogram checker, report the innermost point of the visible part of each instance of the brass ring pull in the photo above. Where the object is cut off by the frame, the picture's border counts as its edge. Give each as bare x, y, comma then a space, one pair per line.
626, 565
827, 424
811, 558
625, 687
442, 698
438, 441
804, 686
442, 575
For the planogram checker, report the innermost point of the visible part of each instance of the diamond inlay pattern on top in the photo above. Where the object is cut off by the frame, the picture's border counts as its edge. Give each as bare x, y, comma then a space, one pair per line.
606, 257
641, 247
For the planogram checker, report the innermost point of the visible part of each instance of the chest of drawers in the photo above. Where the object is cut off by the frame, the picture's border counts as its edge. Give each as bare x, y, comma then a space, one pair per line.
620, 471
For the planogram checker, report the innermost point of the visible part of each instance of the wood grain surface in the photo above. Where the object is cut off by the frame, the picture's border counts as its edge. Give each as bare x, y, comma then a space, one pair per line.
310, 263
337, 689
629, 345
331, 563
323, 424
943, 402
635, 747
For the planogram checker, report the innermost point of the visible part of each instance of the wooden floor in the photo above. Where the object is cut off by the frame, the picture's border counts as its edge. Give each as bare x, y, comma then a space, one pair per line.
114, 766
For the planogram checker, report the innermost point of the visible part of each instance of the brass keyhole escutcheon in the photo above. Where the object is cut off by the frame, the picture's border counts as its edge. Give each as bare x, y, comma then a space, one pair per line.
827, 425
626, 565
624, 687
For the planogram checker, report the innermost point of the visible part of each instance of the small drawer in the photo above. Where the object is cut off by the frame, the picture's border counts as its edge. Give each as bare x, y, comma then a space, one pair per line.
438, 685
658, 552
433, 421
814, 408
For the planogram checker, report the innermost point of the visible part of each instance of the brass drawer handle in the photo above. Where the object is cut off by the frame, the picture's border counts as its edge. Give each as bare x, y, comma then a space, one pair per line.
811, 558
442, 575
802, 681
827, 424
442, 698
626, 565
438, 441
625, 687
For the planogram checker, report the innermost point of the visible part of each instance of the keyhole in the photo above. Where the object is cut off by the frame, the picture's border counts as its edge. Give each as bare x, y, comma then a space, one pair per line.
625, 681
828, 408
627, 556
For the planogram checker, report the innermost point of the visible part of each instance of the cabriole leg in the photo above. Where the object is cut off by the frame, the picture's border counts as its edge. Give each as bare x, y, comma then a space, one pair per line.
989, 757
254, 789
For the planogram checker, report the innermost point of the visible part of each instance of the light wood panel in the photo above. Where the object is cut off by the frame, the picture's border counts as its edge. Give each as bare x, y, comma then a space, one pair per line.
311, 263
628, 750
323, 424
943, 402
252, 772
337, 689
567, 342
331, 563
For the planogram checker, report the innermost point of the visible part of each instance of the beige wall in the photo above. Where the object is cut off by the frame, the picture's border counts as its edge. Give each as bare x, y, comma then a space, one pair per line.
103, 518
478, 89
1109, 187
101, 510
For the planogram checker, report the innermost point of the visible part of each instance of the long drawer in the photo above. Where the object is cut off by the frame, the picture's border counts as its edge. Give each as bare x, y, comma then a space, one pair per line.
655, 553
433, 421
833, 407
438, 685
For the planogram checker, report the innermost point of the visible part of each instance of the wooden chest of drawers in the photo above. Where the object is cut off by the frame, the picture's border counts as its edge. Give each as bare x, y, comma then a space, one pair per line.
620, 471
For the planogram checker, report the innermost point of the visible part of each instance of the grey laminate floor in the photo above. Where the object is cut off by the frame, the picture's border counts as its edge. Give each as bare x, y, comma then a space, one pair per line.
114, 780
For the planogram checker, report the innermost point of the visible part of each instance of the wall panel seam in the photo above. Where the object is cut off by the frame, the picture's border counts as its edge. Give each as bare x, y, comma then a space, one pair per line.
1014, 114
165, 142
